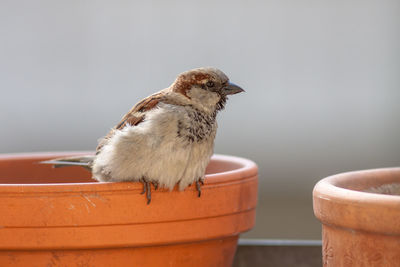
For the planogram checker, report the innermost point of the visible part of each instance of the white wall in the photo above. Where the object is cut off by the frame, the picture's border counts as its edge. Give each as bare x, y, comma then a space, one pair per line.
322, 81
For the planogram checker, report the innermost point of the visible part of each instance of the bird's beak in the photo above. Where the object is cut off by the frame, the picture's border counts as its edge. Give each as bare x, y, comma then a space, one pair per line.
231, 89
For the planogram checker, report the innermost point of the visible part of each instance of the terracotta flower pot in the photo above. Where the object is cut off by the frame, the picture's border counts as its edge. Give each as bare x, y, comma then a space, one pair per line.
61, 217
359, 228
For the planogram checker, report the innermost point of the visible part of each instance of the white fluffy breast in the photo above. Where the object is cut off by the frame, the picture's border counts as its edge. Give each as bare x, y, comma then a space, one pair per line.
153, 150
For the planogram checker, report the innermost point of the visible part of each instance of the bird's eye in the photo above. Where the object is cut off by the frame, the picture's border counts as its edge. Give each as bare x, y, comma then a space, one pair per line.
210, 84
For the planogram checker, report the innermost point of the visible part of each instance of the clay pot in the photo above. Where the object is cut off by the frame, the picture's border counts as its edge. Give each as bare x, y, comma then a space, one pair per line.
61, 217
359, 228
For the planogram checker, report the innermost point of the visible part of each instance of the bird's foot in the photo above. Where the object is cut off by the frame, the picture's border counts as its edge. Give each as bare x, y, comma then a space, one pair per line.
146, 189
199, 183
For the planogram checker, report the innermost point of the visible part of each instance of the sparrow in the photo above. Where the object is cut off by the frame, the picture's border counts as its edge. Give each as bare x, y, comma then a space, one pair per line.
167, 139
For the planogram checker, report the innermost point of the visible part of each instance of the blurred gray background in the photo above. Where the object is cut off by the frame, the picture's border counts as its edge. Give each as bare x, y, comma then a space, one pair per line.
322, 81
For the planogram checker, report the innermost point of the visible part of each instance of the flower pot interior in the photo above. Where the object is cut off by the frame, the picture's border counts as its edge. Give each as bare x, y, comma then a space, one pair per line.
372, 181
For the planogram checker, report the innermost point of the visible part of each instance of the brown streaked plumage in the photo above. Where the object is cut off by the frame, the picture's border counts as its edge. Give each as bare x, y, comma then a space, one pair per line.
133, 117
145, 105
185, 81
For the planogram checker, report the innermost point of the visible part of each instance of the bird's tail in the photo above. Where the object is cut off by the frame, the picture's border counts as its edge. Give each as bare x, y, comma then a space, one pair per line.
82, 161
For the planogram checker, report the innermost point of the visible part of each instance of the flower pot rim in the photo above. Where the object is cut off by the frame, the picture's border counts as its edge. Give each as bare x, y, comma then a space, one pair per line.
351, 208
245, 167
334, 185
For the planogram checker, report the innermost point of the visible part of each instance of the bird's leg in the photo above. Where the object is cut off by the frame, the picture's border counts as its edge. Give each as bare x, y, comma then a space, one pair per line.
148, 194
143, 181
199, 183
146, 189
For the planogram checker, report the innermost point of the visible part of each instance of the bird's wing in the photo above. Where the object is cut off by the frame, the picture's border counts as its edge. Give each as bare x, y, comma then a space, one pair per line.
135, 116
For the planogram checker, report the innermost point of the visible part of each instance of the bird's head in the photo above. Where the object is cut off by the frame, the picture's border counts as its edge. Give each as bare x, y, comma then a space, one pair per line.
205, 88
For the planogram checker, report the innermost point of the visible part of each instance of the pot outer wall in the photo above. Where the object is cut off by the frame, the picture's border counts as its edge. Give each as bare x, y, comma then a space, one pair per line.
61, 217
359, 228
219, 252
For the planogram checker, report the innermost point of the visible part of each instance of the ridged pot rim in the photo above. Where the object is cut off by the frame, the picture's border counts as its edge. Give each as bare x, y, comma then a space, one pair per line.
340, 200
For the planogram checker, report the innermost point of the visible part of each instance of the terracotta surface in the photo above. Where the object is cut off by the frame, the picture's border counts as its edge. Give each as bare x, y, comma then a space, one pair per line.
61, 217
359, 228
